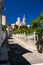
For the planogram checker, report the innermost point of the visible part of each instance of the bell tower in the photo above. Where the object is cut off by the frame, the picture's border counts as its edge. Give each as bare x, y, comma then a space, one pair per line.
24, 20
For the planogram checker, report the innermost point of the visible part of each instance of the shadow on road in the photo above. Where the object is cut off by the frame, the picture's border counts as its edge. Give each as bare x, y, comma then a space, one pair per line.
10, 38
15, 55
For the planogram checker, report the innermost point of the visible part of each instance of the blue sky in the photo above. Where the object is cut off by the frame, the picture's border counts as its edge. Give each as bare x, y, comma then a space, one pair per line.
17, 8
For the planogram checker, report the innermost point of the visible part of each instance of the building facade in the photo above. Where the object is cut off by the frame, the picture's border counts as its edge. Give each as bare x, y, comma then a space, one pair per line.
19, 22
3, 20
12, 26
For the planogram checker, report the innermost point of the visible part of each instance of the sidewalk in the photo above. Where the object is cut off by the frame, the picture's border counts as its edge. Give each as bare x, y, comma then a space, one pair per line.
34, 58
30, 45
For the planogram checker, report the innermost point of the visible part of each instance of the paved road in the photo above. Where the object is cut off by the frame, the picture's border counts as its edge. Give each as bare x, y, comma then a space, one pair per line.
23, 55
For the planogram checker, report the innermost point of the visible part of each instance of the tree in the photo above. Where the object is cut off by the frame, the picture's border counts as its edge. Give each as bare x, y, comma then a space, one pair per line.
36, 25
15, 26
23, 27
4, 27
41, 16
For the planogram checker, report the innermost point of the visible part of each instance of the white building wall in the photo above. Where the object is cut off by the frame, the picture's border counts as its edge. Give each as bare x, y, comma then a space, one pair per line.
18, 22
3, 20
24, 20
12, 25
1, 32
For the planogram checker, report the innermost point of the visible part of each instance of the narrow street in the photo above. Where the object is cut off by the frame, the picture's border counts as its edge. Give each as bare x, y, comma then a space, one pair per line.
21, 32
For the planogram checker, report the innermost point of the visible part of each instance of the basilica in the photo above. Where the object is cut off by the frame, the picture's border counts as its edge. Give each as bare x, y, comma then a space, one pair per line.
19, 22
